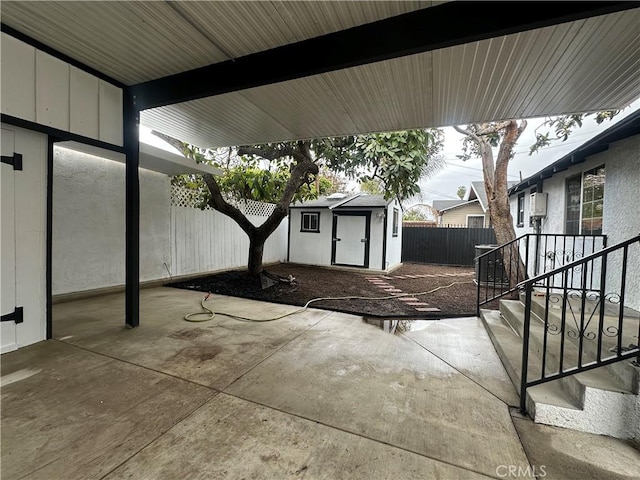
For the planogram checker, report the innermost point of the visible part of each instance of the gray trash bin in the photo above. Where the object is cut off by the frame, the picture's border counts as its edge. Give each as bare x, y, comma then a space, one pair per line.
490, 267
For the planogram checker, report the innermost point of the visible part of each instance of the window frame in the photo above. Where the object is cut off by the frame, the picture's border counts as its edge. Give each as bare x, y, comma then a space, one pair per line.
520, 210
395, 224
579, 221
311, 215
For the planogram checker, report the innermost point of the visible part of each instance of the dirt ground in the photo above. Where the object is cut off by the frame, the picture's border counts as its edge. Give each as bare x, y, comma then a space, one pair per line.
451, 290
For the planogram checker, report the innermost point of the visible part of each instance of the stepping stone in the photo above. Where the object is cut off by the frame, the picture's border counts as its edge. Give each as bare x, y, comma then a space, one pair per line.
420, 309
408, 299
394, 290
417, 304
386, 285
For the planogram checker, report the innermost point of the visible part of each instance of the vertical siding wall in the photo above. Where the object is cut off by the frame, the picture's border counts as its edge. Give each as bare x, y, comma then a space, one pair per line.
43, 89
203, 241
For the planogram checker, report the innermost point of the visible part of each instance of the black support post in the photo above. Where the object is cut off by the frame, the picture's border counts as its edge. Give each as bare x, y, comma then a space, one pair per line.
131, 121
49, 253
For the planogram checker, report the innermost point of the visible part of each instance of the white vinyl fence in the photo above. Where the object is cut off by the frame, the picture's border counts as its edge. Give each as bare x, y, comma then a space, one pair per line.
206, 240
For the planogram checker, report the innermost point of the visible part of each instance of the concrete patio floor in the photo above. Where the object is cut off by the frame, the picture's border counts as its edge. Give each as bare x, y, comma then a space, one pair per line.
315, 395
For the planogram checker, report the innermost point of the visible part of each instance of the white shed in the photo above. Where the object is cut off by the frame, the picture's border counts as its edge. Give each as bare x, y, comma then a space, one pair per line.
362, 231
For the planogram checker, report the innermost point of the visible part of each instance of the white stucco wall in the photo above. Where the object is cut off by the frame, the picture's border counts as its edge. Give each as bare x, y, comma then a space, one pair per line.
89, 223
621, 215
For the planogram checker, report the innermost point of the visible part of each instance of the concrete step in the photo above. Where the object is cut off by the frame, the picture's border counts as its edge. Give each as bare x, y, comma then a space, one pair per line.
628, 376
594, 401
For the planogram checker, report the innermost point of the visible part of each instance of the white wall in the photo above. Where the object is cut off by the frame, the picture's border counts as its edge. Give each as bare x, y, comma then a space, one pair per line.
621, 214
376, 239
89, 228
43, 89
315, 248
89, 222
310, 248
207, 240
23, 237
394, 244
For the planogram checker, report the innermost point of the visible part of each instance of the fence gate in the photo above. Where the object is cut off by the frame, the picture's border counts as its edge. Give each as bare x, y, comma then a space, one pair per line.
444, 246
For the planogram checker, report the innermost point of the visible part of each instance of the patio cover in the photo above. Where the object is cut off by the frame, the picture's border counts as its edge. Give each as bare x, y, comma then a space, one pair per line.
222, 73
230, 73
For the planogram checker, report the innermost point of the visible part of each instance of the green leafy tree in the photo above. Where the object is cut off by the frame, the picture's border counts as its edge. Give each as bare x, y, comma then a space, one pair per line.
414, 215
462, 190
371, 186
397, 160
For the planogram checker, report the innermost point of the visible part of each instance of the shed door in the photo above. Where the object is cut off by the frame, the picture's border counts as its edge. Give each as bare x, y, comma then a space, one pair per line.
351, 239
7, 245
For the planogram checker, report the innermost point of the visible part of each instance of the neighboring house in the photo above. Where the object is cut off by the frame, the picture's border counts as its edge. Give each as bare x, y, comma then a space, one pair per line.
471, 213
592, 190
362, 231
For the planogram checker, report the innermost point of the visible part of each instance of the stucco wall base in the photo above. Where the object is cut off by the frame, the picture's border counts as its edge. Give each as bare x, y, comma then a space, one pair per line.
604, 413
95, 292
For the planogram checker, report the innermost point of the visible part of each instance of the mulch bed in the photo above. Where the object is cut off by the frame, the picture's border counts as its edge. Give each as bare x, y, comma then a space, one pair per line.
454, 300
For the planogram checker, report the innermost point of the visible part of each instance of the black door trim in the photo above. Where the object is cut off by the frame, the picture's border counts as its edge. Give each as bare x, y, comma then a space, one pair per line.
367, 233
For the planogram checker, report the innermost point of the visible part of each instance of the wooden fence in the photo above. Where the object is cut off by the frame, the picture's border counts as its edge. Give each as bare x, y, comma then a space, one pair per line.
444, 246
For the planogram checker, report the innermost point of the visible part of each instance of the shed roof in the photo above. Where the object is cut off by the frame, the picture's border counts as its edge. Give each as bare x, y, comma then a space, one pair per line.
359, 200
233, 73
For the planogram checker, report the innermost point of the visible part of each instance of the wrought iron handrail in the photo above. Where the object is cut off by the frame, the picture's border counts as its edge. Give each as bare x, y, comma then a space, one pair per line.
516, 256
588, 295
493, 254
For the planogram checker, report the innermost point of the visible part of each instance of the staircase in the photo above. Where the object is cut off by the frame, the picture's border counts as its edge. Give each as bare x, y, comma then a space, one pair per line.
578, 345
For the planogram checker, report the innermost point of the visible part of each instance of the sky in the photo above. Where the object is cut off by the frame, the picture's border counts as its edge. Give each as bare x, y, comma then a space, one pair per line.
456, 173
444, 185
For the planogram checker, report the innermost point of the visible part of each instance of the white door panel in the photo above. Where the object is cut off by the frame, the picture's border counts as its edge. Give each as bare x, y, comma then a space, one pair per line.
7, 245
23, 238
351, 241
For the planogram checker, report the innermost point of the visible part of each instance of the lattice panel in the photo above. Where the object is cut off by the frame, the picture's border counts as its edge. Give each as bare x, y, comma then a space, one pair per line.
259, 209
187, 197
193, 198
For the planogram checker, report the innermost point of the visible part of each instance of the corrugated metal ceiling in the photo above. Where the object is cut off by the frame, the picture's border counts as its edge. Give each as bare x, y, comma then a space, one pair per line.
579, 66
136, 41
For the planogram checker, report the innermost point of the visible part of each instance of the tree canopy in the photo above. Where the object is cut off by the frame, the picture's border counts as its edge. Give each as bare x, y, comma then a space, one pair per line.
285, 172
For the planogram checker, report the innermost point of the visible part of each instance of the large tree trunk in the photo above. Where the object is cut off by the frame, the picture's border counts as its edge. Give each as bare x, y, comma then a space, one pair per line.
304, 167
256, 251
495, 184
499, 210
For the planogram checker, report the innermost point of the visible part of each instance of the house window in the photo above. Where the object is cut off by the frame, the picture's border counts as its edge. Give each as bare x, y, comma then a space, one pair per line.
310, 222
521, 210
585, 203
475, 221
396, 220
